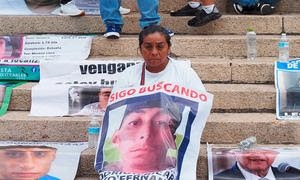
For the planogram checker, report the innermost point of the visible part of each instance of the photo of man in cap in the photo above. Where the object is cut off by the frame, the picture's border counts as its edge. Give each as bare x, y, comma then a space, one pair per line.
26, 162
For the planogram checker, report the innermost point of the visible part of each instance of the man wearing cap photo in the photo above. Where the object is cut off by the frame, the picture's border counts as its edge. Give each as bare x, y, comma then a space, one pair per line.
26, 162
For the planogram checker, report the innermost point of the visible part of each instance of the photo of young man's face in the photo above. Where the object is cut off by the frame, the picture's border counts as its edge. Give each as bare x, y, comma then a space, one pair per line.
25, 163
144, 139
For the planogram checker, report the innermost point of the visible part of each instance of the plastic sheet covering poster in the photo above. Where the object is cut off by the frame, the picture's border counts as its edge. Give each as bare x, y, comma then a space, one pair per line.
258, 163
152, 132
75, 87
287, 82
20, 55
39, 160
32, 7
5, 94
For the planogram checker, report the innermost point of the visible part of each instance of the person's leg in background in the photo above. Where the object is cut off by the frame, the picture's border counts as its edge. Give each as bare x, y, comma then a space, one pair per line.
189, 9
204, 11
149, 12
111, 17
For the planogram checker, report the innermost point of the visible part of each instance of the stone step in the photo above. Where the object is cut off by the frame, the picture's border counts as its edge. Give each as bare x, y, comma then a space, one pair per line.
86, 169
227, 97
221, 128
196, 45
225, 6
228, 24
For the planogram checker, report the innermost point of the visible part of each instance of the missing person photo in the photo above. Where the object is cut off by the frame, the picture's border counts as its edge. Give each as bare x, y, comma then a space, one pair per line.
26, 162
88, 100
11, 47
254, 164
144, 134
20, 160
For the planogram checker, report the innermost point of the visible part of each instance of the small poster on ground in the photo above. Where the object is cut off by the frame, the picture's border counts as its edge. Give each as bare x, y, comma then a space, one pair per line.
75, 88
20, 55
39, 160
152, 132
287, 82
261, 162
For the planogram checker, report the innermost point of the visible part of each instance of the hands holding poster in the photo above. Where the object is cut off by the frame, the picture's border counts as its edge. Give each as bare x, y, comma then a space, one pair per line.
152, 132
287, 82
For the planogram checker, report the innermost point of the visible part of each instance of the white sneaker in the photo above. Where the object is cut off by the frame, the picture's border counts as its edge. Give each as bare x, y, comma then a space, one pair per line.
70, 9
124, 10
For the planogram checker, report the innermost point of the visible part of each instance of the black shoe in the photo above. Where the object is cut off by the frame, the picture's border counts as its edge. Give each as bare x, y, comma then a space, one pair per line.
185, 11
266, 9
203, 18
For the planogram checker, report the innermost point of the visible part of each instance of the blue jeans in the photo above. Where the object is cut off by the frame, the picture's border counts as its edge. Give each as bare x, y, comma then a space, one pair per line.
109, 10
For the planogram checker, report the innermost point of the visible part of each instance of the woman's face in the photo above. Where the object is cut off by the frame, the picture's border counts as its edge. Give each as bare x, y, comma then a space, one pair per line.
155, 50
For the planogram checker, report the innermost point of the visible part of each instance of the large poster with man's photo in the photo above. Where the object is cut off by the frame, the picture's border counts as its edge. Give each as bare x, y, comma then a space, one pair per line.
20, 55
152, 132
257, 163
39, 160
287, 82
75, 87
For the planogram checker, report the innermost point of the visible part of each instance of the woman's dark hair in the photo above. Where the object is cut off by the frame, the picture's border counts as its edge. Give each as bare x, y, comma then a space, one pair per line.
153, 29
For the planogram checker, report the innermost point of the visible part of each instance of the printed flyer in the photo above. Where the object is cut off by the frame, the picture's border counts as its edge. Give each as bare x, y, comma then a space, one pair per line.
75, 87
152, 132
39, 160
287, 82
261, 162
20, 55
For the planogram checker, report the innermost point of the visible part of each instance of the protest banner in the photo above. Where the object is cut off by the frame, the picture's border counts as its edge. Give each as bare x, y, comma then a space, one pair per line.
152, 132
5, 94
270, 162
39, 160
75, 88
20, 55
287, 83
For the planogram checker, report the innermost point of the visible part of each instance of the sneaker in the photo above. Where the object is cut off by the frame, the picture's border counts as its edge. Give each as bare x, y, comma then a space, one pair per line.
170, 32
124, 11
185, 11
69, 9
203, 18
266, 9
113, 32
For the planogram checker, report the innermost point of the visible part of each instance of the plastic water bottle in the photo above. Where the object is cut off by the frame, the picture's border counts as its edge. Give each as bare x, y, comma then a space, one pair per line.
93, 132
283, 47
251, 45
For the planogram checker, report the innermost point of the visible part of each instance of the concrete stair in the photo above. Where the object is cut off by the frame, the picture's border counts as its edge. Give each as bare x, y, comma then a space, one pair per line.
244, 92
227, 24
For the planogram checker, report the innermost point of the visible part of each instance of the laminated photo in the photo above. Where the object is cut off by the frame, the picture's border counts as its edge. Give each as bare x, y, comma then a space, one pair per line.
287, 82
260, 162
39, 160
152, 132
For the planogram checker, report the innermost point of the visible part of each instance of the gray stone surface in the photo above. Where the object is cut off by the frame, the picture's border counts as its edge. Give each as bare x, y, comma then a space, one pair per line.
259, 71
228, 24
221, 128
195, 46
228, 97
291, 23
